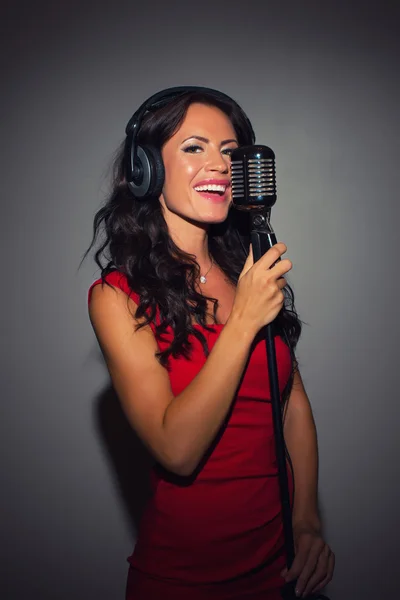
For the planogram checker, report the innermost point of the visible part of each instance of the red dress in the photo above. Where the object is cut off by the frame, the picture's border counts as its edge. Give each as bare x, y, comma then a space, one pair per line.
220, 534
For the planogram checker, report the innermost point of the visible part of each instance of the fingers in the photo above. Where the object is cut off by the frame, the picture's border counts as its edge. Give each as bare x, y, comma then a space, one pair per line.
297, 569
274, 254
305, 562
320, 573
259, 296
329, 575
269, 260
281, 267
312, 567
281, 283
272, 260
308, 571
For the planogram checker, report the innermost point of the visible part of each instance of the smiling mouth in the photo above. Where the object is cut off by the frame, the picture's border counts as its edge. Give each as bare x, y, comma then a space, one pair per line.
212, 188
213, 197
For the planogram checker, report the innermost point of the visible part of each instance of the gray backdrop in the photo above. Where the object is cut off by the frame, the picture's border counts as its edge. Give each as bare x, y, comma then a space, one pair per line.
320, 83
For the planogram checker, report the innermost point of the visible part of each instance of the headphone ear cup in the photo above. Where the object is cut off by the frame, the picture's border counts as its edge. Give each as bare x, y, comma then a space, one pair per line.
158, 171
149, 177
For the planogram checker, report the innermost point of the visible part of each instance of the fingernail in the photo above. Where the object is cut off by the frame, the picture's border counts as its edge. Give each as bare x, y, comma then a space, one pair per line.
297, 592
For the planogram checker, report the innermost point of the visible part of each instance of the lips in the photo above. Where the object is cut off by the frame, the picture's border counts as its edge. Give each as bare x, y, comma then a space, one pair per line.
214, 190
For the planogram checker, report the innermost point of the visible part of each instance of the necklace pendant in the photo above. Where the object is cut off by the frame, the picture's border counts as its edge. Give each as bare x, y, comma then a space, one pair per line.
203, 279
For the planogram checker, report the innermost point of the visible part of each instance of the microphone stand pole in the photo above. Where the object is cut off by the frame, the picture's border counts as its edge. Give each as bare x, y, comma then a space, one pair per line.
262, 239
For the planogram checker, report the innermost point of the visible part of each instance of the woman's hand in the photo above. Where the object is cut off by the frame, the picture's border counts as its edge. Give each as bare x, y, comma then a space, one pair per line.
313, 564
259, 296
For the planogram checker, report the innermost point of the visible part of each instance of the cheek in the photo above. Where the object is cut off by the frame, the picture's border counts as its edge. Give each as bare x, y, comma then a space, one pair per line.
180, 173
186, 167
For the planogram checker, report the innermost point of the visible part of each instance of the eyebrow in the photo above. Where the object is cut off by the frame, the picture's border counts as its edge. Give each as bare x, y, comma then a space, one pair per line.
206, 141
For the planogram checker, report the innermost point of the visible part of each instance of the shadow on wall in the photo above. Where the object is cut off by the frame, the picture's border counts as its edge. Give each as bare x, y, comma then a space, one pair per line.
130, 460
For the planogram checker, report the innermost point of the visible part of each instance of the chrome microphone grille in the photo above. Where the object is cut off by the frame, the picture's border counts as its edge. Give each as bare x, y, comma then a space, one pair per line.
253, 177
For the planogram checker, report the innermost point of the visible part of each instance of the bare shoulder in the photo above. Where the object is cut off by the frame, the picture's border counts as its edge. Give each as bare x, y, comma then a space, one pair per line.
107, 297
112, 314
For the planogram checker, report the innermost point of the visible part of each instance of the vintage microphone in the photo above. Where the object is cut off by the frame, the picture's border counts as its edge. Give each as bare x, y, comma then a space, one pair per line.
253, 182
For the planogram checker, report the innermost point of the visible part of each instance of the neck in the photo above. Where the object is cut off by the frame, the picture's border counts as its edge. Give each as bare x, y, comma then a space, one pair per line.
191, 238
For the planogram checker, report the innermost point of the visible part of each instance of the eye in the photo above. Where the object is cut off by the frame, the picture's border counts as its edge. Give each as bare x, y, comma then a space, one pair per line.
193, 149
228, 151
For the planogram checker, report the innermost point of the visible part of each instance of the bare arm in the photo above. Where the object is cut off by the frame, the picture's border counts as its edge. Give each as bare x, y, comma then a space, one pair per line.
178, 430
314, 561
301, 441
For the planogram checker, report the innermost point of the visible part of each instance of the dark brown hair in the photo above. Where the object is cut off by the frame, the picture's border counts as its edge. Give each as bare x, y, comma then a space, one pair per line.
137, 242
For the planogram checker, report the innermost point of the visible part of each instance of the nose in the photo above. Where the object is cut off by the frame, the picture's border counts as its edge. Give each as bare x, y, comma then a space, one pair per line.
218, 162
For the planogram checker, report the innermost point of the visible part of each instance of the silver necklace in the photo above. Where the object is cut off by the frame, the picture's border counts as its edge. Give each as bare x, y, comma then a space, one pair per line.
203, 278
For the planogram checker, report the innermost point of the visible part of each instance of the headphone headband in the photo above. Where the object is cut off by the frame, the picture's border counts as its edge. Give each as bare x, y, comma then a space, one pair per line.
162, 98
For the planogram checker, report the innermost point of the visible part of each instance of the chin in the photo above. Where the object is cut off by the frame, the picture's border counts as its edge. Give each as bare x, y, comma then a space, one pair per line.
220, 219
215, 216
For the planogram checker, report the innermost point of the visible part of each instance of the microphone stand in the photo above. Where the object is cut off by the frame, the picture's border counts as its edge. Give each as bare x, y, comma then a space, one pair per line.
262, 239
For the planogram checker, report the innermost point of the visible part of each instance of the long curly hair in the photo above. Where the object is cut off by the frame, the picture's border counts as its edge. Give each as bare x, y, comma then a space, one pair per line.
137, 243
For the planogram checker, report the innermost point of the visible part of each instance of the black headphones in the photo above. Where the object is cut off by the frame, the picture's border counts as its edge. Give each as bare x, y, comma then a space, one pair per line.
144, 168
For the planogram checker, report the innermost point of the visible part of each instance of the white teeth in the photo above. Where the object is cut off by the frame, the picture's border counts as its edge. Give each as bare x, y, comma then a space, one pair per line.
211, 188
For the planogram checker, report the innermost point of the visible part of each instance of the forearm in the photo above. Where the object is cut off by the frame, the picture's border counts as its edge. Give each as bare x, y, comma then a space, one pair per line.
193, 418
301, 441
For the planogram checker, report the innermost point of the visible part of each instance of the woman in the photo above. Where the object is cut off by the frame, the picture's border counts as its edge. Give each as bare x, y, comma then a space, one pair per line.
180, 325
